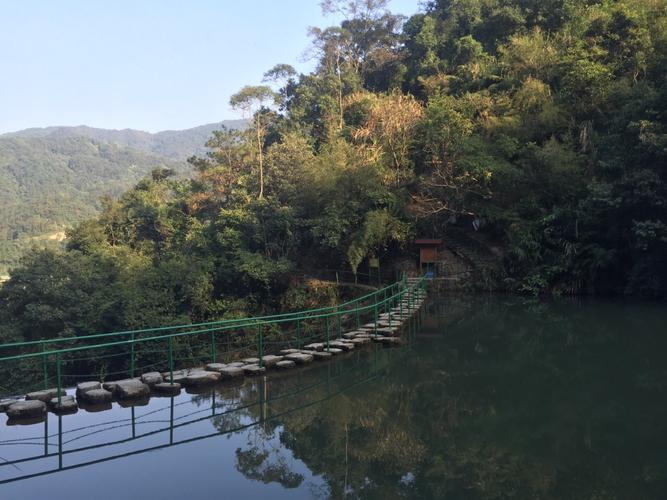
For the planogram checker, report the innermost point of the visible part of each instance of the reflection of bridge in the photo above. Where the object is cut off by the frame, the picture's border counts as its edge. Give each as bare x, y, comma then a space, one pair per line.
341, 376
38, 365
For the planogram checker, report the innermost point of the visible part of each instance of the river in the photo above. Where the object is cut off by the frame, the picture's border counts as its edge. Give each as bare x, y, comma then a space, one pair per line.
495, 398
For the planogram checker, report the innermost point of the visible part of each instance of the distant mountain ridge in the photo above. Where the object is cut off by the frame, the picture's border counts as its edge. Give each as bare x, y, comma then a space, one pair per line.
170, 144
52, 178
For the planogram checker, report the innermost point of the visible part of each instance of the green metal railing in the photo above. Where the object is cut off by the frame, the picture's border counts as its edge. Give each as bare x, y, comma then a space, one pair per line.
121, 354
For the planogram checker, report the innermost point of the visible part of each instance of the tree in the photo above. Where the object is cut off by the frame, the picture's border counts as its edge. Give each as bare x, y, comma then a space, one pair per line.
389, 126
252, 100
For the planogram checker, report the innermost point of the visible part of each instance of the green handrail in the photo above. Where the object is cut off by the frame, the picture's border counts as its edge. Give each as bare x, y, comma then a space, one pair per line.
246, 322
351, 310
193, 325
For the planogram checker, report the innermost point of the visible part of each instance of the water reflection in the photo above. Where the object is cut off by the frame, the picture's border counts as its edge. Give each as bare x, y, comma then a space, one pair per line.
256, 407
497, 398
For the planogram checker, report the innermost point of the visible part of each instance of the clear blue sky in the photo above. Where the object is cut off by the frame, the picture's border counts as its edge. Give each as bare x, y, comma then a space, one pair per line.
144, 64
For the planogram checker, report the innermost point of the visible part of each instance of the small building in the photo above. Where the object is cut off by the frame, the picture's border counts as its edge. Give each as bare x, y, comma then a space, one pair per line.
428, 255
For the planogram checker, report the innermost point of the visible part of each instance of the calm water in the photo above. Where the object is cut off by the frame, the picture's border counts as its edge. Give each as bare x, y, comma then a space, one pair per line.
496, 398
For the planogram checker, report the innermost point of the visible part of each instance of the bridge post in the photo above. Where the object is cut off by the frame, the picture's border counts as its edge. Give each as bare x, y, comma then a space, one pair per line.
298, 333
213, 353
132, 356
326, 327
375, 314
44, 367
340, 326
59, 380
260, 345
171, 360
357, 313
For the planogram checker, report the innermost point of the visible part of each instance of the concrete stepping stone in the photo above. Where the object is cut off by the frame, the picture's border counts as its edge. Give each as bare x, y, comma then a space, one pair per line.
390, 332
285, 364
179, 376
285, 352
271, 360
27, 409
360, 340
250, 361
236, 364
231, 372
84, 387
300, 358
315, 346
5, 403
167, 389
350, 335
321, 355
67, 405
200, 378
253, 370
341, 345
333, 350
215, 367
44, 396
131, 389
111, 386
151, 378
97, 396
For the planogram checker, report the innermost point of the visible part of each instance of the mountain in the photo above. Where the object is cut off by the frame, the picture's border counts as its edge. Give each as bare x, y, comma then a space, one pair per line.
171, 144
51, 178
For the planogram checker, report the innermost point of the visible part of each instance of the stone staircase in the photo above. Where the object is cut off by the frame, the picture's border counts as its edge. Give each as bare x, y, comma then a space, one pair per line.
468, 261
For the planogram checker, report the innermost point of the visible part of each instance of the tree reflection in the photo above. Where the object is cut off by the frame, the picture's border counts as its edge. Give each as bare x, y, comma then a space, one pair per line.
505, 400
261, 465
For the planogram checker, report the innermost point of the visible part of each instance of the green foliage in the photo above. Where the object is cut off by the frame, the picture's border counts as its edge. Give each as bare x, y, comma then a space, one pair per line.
53, 178
543, 123
379, 228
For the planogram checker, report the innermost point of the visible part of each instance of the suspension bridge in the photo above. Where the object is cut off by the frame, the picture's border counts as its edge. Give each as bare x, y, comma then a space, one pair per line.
131, 366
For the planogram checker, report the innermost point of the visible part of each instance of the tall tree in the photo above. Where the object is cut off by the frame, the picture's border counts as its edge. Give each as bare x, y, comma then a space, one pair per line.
252, 100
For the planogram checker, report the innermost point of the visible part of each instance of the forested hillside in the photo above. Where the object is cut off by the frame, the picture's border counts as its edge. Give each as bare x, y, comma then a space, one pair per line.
172, 144
48, 185
53, 178
537, 125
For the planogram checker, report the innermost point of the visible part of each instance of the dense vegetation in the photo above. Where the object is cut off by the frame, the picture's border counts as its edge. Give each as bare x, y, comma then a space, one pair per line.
539, 124
53, 178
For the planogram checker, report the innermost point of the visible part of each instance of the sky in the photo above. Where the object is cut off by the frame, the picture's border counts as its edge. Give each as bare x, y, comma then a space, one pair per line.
145, 64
